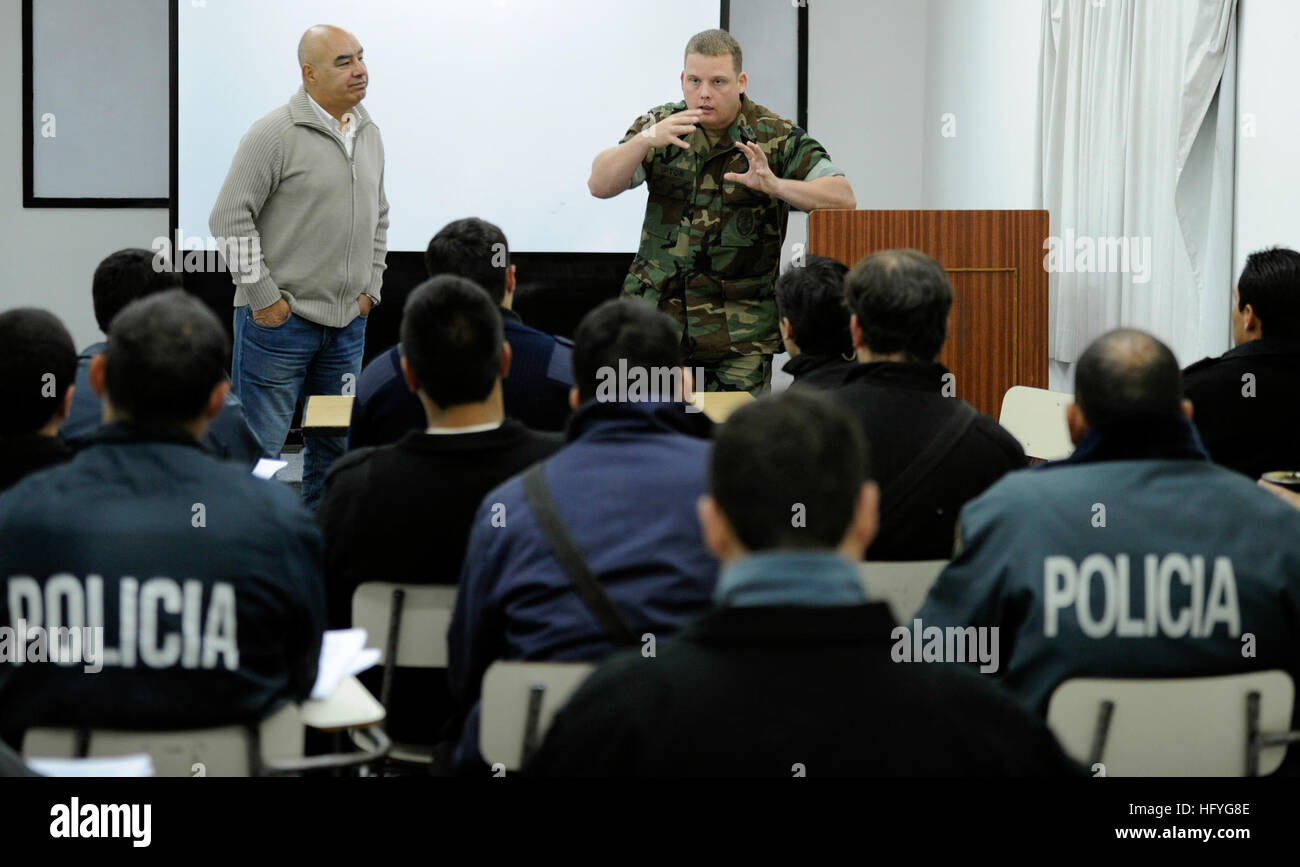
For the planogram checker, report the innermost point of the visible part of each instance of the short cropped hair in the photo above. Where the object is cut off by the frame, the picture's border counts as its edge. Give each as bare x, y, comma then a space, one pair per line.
38, 362
127, 276
1270, 282
165, 354
902, 299
787, 470
812, 298
474, 249
716, 43
627, 329
452, 337
1127, 375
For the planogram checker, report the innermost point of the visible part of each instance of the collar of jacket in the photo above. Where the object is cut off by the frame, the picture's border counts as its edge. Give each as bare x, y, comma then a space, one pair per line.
92, 350
1264, 346
806, 362
301, 112
789, 578
1145, 438
918, 375
871, 623
645, 417
123, 432
508, 315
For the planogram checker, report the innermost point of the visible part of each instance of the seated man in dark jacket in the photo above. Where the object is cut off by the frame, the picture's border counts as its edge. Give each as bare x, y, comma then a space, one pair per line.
384, 509
1135, 556
625, 487
196, 587
537, 390
1246, 402
794, 673
37, 365
815, 322
932, 451
121, 278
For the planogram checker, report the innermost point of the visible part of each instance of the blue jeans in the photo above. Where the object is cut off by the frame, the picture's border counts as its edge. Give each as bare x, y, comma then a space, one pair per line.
274, 369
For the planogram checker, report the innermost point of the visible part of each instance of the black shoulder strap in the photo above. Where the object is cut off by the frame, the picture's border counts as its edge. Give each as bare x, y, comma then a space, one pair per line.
571, 560
924, 463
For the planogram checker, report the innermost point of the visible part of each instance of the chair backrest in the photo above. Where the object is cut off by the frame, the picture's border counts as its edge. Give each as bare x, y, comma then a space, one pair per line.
1171, 727
520, 699
901, 583
1036, 417
224, 751
422, 631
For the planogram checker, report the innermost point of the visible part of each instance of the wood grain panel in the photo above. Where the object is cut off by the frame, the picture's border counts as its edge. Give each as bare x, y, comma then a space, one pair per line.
997, 335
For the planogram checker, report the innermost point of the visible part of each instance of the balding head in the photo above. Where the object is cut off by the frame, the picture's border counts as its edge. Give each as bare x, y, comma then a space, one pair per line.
1127, 375
333, 71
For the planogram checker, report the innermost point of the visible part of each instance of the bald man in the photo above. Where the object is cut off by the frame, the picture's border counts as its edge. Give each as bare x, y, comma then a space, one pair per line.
304, 206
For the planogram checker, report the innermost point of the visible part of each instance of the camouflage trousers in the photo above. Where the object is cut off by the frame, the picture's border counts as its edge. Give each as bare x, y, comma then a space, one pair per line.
752, 373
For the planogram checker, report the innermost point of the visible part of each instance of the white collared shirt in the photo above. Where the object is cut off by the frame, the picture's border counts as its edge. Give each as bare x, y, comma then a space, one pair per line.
474, 428
347, 136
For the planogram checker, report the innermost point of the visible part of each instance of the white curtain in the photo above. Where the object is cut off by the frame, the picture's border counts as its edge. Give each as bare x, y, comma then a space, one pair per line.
1137, 123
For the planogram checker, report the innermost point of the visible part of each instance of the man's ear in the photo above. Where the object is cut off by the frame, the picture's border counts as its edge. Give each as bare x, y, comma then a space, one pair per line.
1076, 422
787, 329
743, 81
1253, 325
506, 358
866, 522
716, 529
855, 329
688, 385
216, 400
65, 405
575, 400
1187, 409
409, 375
95, 373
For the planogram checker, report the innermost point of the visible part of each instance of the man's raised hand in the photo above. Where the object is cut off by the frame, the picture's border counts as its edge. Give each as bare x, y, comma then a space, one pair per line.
759, 177
673, 129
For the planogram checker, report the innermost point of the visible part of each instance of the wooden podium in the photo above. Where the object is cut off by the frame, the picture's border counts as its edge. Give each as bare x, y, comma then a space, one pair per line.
997, 332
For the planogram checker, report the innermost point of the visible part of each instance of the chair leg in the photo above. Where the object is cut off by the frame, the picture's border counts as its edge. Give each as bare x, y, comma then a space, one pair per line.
536, 693
390, 646
1101, 732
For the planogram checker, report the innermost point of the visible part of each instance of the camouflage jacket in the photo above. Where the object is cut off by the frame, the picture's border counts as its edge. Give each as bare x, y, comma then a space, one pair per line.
711, 249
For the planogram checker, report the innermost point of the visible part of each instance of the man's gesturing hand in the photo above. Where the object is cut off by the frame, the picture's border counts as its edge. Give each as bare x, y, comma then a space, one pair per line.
759, 177
671, 129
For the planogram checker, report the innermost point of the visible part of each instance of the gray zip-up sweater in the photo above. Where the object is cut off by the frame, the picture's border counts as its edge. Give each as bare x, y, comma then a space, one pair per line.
312, 222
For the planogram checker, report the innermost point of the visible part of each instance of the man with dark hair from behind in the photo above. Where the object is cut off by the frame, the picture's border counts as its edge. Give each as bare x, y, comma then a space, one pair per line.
121, 278
38, 363
793, 648
385, 508
1247, 401
815, 322
624, 487
203, 581
933, 452
537, 390
1135, 556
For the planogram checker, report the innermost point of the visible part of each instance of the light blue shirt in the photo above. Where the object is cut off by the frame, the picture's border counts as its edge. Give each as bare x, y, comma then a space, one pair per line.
789, 578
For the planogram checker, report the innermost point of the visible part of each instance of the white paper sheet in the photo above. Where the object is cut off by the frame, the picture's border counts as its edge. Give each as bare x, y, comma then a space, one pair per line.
138, 765
343, 653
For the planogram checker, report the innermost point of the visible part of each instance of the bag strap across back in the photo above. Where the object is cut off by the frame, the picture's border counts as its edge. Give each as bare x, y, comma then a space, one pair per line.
571, 559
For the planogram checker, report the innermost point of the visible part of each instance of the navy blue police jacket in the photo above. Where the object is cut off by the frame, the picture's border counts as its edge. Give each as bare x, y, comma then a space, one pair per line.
205, 581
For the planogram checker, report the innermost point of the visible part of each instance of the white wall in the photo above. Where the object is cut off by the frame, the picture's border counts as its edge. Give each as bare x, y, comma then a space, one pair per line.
1268, 128
47, 255
866, 95
982, 70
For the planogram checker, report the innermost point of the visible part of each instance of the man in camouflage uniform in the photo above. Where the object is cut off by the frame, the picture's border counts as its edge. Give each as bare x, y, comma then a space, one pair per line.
723, 173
